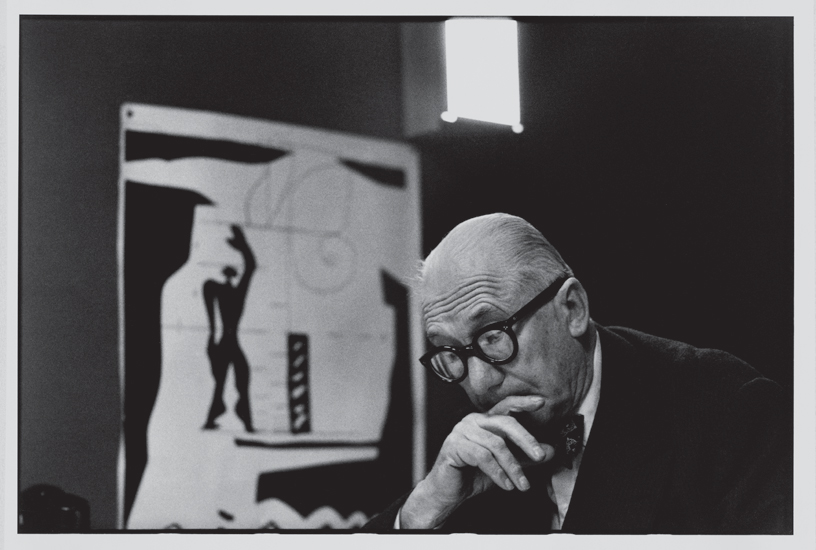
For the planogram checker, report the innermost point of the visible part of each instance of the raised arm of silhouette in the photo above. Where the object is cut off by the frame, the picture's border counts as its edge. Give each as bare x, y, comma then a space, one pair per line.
238, 241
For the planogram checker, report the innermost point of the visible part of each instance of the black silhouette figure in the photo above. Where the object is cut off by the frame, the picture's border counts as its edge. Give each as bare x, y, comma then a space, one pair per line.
230, 300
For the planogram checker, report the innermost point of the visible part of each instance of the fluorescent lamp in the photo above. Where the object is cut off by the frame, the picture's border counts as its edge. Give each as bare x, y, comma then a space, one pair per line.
481, 59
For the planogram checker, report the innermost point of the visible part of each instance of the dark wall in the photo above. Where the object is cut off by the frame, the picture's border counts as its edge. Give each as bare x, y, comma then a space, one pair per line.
75, 74
657, 157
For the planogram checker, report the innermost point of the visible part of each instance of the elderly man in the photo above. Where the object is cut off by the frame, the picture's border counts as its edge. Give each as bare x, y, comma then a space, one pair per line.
582, 428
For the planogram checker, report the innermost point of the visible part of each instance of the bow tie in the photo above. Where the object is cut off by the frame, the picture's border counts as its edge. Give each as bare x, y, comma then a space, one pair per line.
568, 439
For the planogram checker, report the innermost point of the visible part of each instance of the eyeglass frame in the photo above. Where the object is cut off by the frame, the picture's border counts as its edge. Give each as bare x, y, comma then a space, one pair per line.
473, 349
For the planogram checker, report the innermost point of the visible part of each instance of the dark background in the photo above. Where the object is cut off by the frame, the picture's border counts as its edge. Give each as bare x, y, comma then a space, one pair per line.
657, 157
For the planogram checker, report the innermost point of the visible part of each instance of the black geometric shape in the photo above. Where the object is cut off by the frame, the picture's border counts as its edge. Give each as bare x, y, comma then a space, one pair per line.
343, 487
391, 177
144, 145
394, 463
300, 414
158, 228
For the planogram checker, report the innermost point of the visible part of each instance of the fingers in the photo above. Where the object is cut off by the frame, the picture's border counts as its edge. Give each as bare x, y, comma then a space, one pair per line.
507, 476
509, 429
485, 442
495, 459
548, 452
516, 403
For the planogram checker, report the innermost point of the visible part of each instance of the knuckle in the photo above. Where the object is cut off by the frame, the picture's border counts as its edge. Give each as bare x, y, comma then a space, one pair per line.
498, 472
494, 442
468, 421
514, 468
483, 455
507, 458
452, 442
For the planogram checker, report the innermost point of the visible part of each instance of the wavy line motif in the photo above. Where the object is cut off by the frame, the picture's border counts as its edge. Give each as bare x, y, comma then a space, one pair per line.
282, 516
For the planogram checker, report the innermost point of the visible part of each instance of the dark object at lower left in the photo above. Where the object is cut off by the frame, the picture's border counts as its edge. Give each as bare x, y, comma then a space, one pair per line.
49, 509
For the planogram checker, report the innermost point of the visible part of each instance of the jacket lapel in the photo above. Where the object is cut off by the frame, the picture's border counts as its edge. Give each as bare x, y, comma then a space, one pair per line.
626, 461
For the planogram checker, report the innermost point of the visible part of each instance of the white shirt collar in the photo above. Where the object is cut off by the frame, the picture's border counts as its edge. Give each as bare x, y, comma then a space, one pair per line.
590, 403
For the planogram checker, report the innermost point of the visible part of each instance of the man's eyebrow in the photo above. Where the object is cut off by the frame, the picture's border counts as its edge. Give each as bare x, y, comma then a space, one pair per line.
480, 312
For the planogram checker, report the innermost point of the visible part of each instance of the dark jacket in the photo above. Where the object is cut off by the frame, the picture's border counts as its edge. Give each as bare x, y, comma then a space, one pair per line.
685, 440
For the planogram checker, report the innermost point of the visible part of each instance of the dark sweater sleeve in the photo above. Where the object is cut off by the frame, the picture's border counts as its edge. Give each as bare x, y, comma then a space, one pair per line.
384, 521
757, 482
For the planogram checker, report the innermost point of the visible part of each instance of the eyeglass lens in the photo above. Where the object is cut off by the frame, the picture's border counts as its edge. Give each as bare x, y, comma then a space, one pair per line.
447, 365
495, 344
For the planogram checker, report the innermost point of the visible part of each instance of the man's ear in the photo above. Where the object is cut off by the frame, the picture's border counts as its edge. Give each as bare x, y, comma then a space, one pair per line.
573, 299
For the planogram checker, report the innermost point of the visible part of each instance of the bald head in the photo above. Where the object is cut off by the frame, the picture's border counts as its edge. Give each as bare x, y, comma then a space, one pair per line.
506, 246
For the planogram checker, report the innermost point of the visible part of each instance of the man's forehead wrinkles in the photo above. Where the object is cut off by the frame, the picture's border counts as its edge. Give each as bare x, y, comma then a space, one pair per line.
440, 323
480, 305
464, 312
466, 287
455, 307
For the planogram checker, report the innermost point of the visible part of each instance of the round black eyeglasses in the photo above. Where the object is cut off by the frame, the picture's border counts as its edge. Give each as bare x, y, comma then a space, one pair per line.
495, 343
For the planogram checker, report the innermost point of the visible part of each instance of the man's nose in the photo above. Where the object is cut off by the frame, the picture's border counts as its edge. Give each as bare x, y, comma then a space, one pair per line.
483, 376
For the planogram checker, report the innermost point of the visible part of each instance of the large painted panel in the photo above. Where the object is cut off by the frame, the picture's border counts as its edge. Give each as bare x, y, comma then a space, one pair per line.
268, 335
